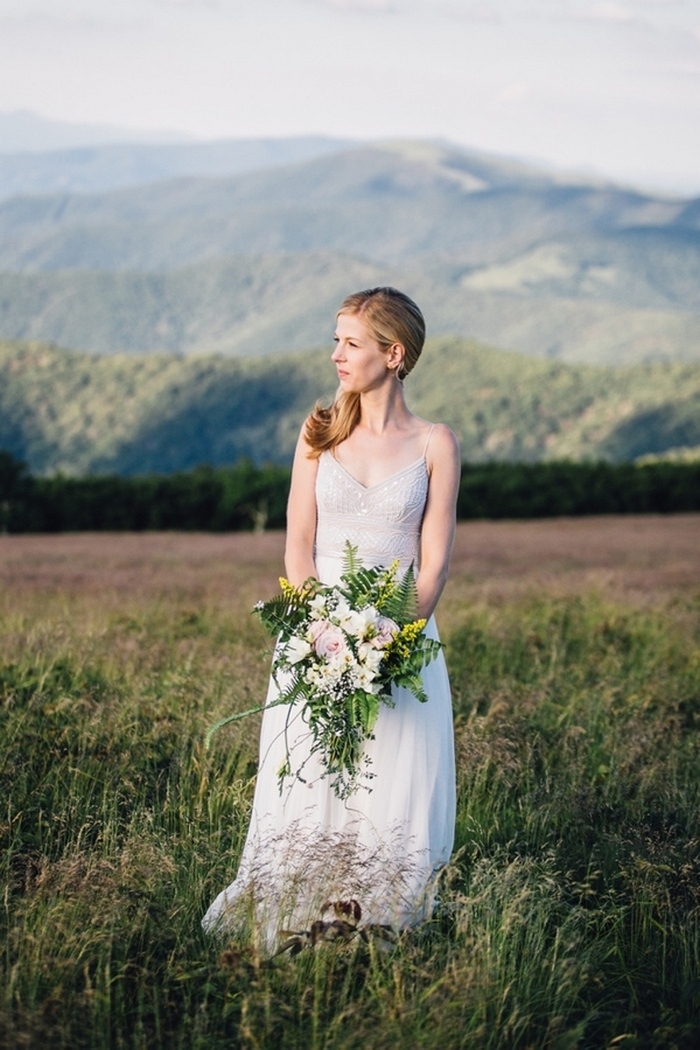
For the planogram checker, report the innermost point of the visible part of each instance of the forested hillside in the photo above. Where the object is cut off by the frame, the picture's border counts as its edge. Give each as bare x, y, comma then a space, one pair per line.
255, 305
257, 263
62, 410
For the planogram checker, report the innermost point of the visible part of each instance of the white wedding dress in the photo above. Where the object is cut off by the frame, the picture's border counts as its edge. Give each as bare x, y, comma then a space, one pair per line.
381, 847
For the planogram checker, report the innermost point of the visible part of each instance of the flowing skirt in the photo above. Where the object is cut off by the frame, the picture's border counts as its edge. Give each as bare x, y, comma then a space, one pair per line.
383, 846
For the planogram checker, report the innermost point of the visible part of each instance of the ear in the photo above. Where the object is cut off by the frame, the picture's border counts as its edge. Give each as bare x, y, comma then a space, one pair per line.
395, 355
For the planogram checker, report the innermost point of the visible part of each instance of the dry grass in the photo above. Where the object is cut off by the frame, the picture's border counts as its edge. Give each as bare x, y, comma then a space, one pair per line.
571, 912
642, 558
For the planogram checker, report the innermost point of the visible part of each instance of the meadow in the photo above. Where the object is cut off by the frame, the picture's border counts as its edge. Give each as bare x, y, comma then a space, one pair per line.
569, 916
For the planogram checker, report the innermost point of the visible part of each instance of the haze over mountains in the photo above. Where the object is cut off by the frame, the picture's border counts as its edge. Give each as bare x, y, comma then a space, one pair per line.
492, 249
250, 249
116, 165
22, 131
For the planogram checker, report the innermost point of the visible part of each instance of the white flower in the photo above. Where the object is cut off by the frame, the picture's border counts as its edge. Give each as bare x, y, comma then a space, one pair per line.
364, 679
369, 656
312, 675
341, 609
328, 675
355, 621
297, 649
317, 607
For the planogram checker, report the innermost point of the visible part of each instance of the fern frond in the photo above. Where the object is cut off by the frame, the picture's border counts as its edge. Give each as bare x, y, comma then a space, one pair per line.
402, 602
361, 587
351, 562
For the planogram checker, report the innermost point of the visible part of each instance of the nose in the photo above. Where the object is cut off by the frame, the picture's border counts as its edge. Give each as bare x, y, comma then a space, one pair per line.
337, 354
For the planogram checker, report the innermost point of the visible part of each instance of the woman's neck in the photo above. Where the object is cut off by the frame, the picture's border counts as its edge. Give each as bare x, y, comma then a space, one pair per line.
380, 409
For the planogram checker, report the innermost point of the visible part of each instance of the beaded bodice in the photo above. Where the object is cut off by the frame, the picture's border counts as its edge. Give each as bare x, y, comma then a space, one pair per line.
383, 521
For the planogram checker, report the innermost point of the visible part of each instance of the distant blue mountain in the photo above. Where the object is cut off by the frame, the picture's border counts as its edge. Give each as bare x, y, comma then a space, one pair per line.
22, 131
95, 167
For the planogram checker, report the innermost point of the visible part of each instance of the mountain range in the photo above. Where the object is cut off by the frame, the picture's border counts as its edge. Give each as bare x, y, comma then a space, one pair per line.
257, 262
96, 167
160, 305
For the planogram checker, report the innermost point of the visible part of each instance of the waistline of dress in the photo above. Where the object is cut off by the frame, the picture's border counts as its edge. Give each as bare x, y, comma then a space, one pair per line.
370, 558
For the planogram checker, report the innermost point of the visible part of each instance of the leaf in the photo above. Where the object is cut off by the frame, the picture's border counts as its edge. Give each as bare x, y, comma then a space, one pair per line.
351, 563
402, 603
372, 712
414, 683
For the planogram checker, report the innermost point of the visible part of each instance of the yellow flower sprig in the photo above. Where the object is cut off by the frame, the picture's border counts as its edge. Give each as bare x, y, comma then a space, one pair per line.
404, 641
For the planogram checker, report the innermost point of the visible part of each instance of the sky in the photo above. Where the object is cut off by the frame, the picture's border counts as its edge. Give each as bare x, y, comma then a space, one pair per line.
610, 87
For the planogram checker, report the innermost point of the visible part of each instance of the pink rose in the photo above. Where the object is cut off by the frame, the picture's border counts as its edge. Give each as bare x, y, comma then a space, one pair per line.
327, 639
386, 631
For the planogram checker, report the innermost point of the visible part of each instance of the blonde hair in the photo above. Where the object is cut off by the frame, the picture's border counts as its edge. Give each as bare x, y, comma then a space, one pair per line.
392, 317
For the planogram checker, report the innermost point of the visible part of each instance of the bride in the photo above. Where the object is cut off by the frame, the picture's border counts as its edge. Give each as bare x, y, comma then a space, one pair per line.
369, 472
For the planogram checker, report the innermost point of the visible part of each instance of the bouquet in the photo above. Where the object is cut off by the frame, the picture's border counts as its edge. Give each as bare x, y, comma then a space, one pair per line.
339, 650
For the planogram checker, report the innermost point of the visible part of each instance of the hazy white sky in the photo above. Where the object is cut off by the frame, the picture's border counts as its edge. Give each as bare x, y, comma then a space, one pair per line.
606, 85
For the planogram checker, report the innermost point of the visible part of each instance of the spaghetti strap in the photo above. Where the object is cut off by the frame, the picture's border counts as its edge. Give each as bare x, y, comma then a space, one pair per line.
427, 440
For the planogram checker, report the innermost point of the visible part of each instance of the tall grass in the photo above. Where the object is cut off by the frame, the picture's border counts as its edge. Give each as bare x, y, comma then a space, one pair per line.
569, 916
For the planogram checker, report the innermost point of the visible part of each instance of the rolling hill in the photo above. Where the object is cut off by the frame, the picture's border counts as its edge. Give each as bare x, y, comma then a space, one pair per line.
256, 305
25, 131
256, 263
388, 203
62, 410
100, 167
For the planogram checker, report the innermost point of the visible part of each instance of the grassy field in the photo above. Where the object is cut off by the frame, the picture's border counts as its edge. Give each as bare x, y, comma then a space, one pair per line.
570, 914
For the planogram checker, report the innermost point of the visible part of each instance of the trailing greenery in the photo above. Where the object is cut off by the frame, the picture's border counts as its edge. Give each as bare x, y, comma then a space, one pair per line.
62, 411
569, 916
249, 497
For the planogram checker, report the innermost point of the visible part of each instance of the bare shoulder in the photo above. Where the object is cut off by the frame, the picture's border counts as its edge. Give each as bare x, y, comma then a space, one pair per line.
303, 443
443, 446
305, 461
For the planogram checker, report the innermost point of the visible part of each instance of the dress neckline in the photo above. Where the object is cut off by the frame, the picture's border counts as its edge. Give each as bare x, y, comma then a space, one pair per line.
378, 484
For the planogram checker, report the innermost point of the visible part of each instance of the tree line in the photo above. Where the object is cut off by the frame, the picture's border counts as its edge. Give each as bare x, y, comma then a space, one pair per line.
249, 497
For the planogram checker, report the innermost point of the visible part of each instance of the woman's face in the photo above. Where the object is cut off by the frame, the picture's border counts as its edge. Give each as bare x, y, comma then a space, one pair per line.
362, 363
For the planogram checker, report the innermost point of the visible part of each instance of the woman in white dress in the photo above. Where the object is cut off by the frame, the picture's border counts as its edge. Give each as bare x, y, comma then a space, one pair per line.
369, 472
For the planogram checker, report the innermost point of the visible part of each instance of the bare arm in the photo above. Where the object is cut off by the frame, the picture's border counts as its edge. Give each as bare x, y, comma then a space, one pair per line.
438, 530
301, 515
